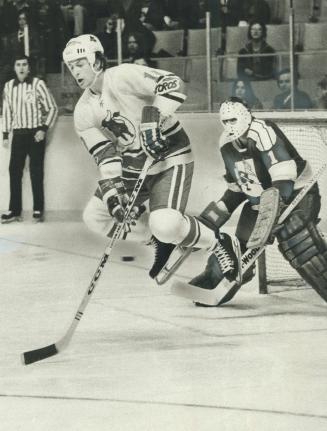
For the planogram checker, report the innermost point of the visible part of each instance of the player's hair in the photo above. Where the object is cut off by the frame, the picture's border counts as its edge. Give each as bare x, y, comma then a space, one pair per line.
102, 60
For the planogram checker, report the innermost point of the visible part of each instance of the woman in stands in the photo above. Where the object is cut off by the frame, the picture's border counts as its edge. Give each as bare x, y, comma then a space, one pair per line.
242, 89
256, 67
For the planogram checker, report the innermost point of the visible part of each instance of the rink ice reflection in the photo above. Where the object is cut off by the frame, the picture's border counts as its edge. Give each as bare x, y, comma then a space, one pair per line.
142, 359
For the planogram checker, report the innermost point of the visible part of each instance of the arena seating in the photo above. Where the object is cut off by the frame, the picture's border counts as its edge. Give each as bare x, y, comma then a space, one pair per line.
278, 36
178, 65
196, 41
170, 41
312, 65
315, 36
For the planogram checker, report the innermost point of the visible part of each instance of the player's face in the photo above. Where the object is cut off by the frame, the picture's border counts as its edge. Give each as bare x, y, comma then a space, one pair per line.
82, 72
22, 69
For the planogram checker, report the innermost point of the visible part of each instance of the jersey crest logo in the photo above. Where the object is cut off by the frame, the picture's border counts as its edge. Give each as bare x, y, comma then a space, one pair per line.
29, 97
167, 84
247, 178
121, 127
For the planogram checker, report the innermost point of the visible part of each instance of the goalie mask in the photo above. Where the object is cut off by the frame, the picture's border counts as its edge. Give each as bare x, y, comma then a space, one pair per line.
235, 118
84, 46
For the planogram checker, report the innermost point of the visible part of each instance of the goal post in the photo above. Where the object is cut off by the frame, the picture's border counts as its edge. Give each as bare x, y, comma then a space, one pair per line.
307, 131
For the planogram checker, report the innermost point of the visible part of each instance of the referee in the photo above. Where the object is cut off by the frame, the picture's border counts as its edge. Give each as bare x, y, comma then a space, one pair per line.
29, 110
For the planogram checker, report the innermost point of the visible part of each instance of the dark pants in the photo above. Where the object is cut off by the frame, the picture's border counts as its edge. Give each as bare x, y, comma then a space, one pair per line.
23, 145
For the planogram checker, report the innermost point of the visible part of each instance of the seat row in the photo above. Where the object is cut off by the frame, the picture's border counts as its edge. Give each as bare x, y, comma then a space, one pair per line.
309, 36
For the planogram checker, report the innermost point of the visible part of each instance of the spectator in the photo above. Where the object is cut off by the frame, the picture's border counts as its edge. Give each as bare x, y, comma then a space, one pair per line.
172, 14
113, 7
322, 93
11, 10
257, 67
242, 89
283, 100
134, 48
51, 28
18, 45
28, 111
256, 11
78, 16
224, 13
108, 38
135, 17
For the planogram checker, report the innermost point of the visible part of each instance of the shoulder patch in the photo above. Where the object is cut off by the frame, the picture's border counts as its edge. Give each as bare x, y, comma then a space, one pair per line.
263, 135
167, 84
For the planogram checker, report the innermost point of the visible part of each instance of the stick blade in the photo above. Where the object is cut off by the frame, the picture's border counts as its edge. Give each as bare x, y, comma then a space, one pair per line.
39, 354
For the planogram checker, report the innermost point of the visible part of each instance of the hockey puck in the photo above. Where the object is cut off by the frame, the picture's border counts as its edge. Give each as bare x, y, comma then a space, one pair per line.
127, 258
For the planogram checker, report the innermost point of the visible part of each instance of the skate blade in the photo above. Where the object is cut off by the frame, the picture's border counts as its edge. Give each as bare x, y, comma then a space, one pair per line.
175, 260
12, 220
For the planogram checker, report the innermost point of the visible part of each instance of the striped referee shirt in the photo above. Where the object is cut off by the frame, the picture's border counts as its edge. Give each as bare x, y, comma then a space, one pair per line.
27, 105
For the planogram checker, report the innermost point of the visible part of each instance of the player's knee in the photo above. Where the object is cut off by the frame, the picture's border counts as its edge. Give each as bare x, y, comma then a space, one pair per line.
168, 225
88, 216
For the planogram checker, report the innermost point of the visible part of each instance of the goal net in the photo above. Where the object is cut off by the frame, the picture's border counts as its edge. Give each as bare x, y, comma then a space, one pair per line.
308, 133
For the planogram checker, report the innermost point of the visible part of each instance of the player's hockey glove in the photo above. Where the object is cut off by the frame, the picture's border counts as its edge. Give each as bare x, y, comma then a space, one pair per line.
115, 196
153, 142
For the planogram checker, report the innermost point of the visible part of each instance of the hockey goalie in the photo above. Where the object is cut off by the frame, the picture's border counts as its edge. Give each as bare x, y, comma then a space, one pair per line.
266, 173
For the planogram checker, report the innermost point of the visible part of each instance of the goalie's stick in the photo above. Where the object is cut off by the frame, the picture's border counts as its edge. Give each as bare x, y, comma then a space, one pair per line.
52, 349
226, 290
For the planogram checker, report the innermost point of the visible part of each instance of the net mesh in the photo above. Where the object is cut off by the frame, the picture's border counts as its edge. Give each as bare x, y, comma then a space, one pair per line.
310, 139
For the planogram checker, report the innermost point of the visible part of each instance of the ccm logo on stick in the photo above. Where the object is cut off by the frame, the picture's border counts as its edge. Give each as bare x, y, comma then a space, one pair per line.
167, 84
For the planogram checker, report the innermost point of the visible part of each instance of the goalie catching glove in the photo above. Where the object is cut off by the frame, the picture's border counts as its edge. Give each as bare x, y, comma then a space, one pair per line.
153, 142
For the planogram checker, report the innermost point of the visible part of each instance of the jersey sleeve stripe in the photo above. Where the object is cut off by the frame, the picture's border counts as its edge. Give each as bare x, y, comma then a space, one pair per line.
99, 146
172, 97
171, 129
106, 161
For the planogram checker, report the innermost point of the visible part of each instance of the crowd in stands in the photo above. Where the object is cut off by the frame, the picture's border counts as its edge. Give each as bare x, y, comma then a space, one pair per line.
51, 23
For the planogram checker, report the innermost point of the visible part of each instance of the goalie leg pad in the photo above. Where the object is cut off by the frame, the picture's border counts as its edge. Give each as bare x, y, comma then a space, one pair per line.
307, 253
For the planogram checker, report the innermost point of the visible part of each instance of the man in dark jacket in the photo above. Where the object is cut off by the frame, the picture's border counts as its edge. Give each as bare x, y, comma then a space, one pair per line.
283, 100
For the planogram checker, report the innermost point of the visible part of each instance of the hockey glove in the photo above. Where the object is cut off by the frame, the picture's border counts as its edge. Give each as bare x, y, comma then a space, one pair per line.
115, 196
153, 142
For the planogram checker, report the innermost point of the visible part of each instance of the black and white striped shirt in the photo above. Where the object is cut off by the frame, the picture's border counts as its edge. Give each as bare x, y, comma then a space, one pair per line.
27, 105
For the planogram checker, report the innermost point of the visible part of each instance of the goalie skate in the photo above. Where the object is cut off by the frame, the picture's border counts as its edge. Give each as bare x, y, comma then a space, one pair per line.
225, 290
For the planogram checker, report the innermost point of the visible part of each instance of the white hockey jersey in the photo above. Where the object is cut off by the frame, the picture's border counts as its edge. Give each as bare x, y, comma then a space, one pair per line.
108, 123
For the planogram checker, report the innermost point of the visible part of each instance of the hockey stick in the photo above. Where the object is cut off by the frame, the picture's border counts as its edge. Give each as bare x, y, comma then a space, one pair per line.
226, 290
52, 349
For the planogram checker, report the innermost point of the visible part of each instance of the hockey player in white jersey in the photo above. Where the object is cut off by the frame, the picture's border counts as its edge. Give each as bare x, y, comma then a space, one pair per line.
107, 118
